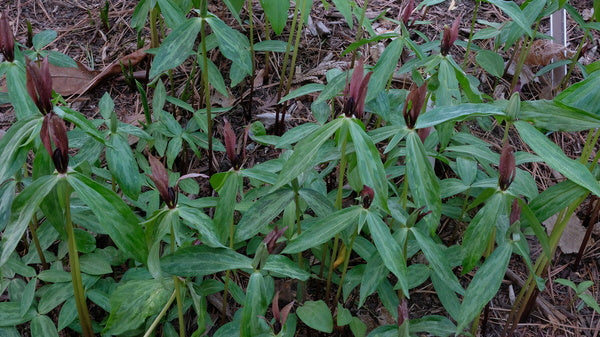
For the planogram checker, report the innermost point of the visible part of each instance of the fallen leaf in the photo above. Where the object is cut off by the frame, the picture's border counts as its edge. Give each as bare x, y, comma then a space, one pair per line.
543, 52
572, 236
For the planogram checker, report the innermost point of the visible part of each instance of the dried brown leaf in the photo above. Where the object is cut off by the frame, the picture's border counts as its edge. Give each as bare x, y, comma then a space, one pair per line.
542, 53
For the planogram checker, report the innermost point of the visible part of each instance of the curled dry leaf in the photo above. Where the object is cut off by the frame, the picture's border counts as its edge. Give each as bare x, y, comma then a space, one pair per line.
542, 53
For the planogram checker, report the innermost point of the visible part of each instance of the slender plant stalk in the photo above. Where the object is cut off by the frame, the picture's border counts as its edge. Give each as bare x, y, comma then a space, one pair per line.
286, 57
154, 42
590, 220
161, 314
301, 284
345, 266
79, 293
36, 241
177, 284
565, 79
359, 30
248, 115
206, 84
522, 57
338, 205
471, 32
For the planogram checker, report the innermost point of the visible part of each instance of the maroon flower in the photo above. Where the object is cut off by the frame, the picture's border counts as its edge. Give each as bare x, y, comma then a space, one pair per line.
230, 144
507, 168
402, 312
406, 13
280, 315
271, 239
450, 35
160, 177
515, 211
7, 40
414, 104
367, 194
39, 84
54, 131
356, 92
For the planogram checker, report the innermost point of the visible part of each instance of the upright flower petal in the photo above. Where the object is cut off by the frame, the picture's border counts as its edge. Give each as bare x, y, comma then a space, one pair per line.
406, 13
39, 84
7, 40
54, 131
414, 104
160, 177
507, 168
450, 35
356, 92
230, 144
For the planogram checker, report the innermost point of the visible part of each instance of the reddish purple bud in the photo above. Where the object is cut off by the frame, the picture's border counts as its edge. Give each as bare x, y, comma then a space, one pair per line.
230, 144
450, 35
271, 238
280, 316
356, 92
406, 13
39, 84
367, 195
160, 177
7, 40
402, 312
414, 104
507, 168
54, 131
515, 211
424, 133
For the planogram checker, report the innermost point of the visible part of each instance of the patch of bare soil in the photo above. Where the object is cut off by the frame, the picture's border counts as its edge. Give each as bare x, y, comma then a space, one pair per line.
83, 36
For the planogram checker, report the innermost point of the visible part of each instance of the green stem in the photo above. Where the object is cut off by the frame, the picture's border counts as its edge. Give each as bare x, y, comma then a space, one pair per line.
522, 57
161, 314
565, 79
473, 19
177, 284
206, 84
36, 241
359, 30
345, 266
154, 42
79, 293
300, 289
286, 57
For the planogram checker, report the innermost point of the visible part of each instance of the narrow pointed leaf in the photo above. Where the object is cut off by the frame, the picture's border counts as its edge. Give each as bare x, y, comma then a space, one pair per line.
203, 260
280, 264
556, 158
262, 212
459, 112
123, 166
177, 47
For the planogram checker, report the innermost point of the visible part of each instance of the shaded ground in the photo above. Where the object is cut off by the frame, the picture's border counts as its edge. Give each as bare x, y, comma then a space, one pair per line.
82, 36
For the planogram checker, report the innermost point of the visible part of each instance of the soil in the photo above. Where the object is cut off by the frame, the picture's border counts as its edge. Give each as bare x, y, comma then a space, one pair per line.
83, 36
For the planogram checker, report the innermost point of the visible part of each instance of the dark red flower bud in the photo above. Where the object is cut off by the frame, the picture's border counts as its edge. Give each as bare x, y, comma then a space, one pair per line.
402, 312
160, 177
280, 315
414, 104
39, 84
54, 131
356, 92
450, 35
7, 40
507, 168
367, 195
424, 133
271, 239
515, 211
406, 13
230, 144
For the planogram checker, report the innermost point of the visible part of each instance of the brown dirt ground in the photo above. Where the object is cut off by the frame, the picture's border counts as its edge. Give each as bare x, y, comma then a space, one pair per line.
82, 36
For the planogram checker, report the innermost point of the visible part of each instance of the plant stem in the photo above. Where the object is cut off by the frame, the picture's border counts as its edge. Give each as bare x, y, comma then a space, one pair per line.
473, 19
177, 284
345, 266
300, 289
565, 79
248, 115
286, 57
79, 293
206, 84
36, 242
359, 31
161, 314
522, 57
154, 42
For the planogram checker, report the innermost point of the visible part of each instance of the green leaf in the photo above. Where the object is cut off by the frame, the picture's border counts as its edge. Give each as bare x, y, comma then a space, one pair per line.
133, 301
491, 62
435, 325
368, 162
203, 260
590, 301
262, 212
536, 226
437, 259
552, 116
385, 67
55, 295
232, 44
214, 76
389, 249
484, 286
459, 112
277, 13
43, 38
555, 157
14, 145
255, 306
94, 264
24, 206
282, 265
345, 8
10, 314
480, 229
61, 60
68, 313
173, 15
203, 223
324, 229
303, 90
305, 152
513, 10
123, 166
80, 121
27, 296
114, 215
344, 317
271, 45
177, 47
42, 326
422, 180
316, 315
583, 95
16, 85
